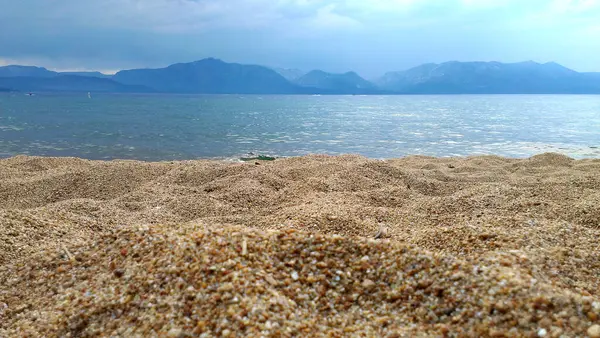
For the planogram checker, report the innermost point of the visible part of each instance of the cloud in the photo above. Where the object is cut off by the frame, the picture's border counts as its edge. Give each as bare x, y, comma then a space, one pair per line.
368, 36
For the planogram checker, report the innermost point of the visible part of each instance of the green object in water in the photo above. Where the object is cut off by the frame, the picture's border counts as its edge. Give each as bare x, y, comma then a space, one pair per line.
258, 158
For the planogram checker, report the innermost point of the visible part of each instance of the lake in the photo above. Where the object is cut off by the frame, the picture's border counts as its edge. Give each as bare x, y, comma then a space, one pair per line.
172, 127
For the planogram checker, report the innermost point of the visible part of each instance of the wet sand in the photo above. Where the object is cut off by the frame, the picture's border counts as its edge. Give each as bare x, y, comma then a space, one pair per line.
307, 246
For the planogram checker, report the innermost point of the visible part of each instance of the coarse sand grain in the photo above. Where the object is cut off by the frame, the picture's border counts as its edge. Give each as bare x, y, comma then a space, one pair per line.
308, 246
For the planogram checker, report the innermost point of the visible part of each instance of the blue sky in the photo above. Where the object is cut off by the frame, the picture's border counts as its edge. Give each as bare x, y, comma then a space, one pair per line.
369, 36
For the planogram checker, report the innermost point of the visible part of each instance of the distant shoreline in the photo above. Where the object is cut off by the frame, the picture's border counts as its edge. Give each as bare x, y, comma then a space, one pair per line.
273, 157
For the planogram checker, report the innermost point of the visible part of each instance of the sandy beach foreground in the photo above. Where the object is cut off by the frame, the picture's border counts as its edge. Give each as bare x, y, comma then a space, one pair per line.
309, 246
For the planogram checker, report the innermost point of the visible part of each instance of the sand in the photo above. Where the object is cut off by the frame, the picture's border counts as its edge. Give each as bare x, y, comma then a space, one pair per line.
307, 246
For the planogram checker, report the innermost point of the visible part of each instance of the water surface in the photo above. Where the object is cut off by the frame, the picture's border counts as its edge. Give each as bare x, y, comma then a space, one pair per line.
169, 127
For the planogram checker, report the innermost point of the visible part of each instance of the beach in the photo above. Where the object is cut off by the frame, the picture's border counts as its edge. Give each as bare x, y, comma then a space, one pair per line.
303, 246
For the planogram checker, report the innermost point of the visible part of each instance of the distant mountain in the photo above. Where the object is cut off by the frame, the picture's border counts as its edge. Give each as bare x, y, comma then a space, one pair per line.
67, 83
347, 83
88, 74
595, 76
31, 71
490, 78
211, 76
289, 74
403, 80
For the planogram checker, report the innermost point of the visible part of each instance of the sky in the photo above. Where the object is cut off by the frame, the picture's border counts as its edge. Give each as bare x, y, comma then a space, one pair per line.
366, 36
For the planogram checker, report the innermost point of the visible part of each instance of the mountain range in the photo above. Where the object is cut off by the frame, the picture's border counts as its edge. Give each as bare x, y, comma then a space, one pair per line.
491, 78
213, 76
30, 78
31, 71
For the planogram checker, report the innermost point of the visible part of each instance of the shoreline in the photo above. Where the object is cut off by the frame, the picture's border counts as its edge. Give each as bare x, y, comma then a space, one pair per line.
527, 229
250, 156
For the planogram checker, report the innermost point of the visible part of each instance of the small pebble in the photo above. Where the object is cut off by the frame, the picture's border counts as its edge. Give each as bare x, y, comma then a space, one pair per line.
175, 333
594, 331
367, 284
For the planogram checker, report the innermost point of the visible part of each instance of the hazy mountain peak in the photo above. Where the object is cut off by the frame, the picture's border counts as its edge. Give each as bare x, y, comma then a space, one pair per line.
211, 76
349, 82
29, 71
352, 74
317, 72
209, 60
528, 62
24, 67
489, 77
558, 67
290, 74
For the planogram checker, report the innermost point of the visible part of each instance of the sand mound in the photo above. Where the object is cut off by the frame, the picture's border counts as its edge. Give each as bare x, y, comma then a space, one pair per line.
521, 234
229, 281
